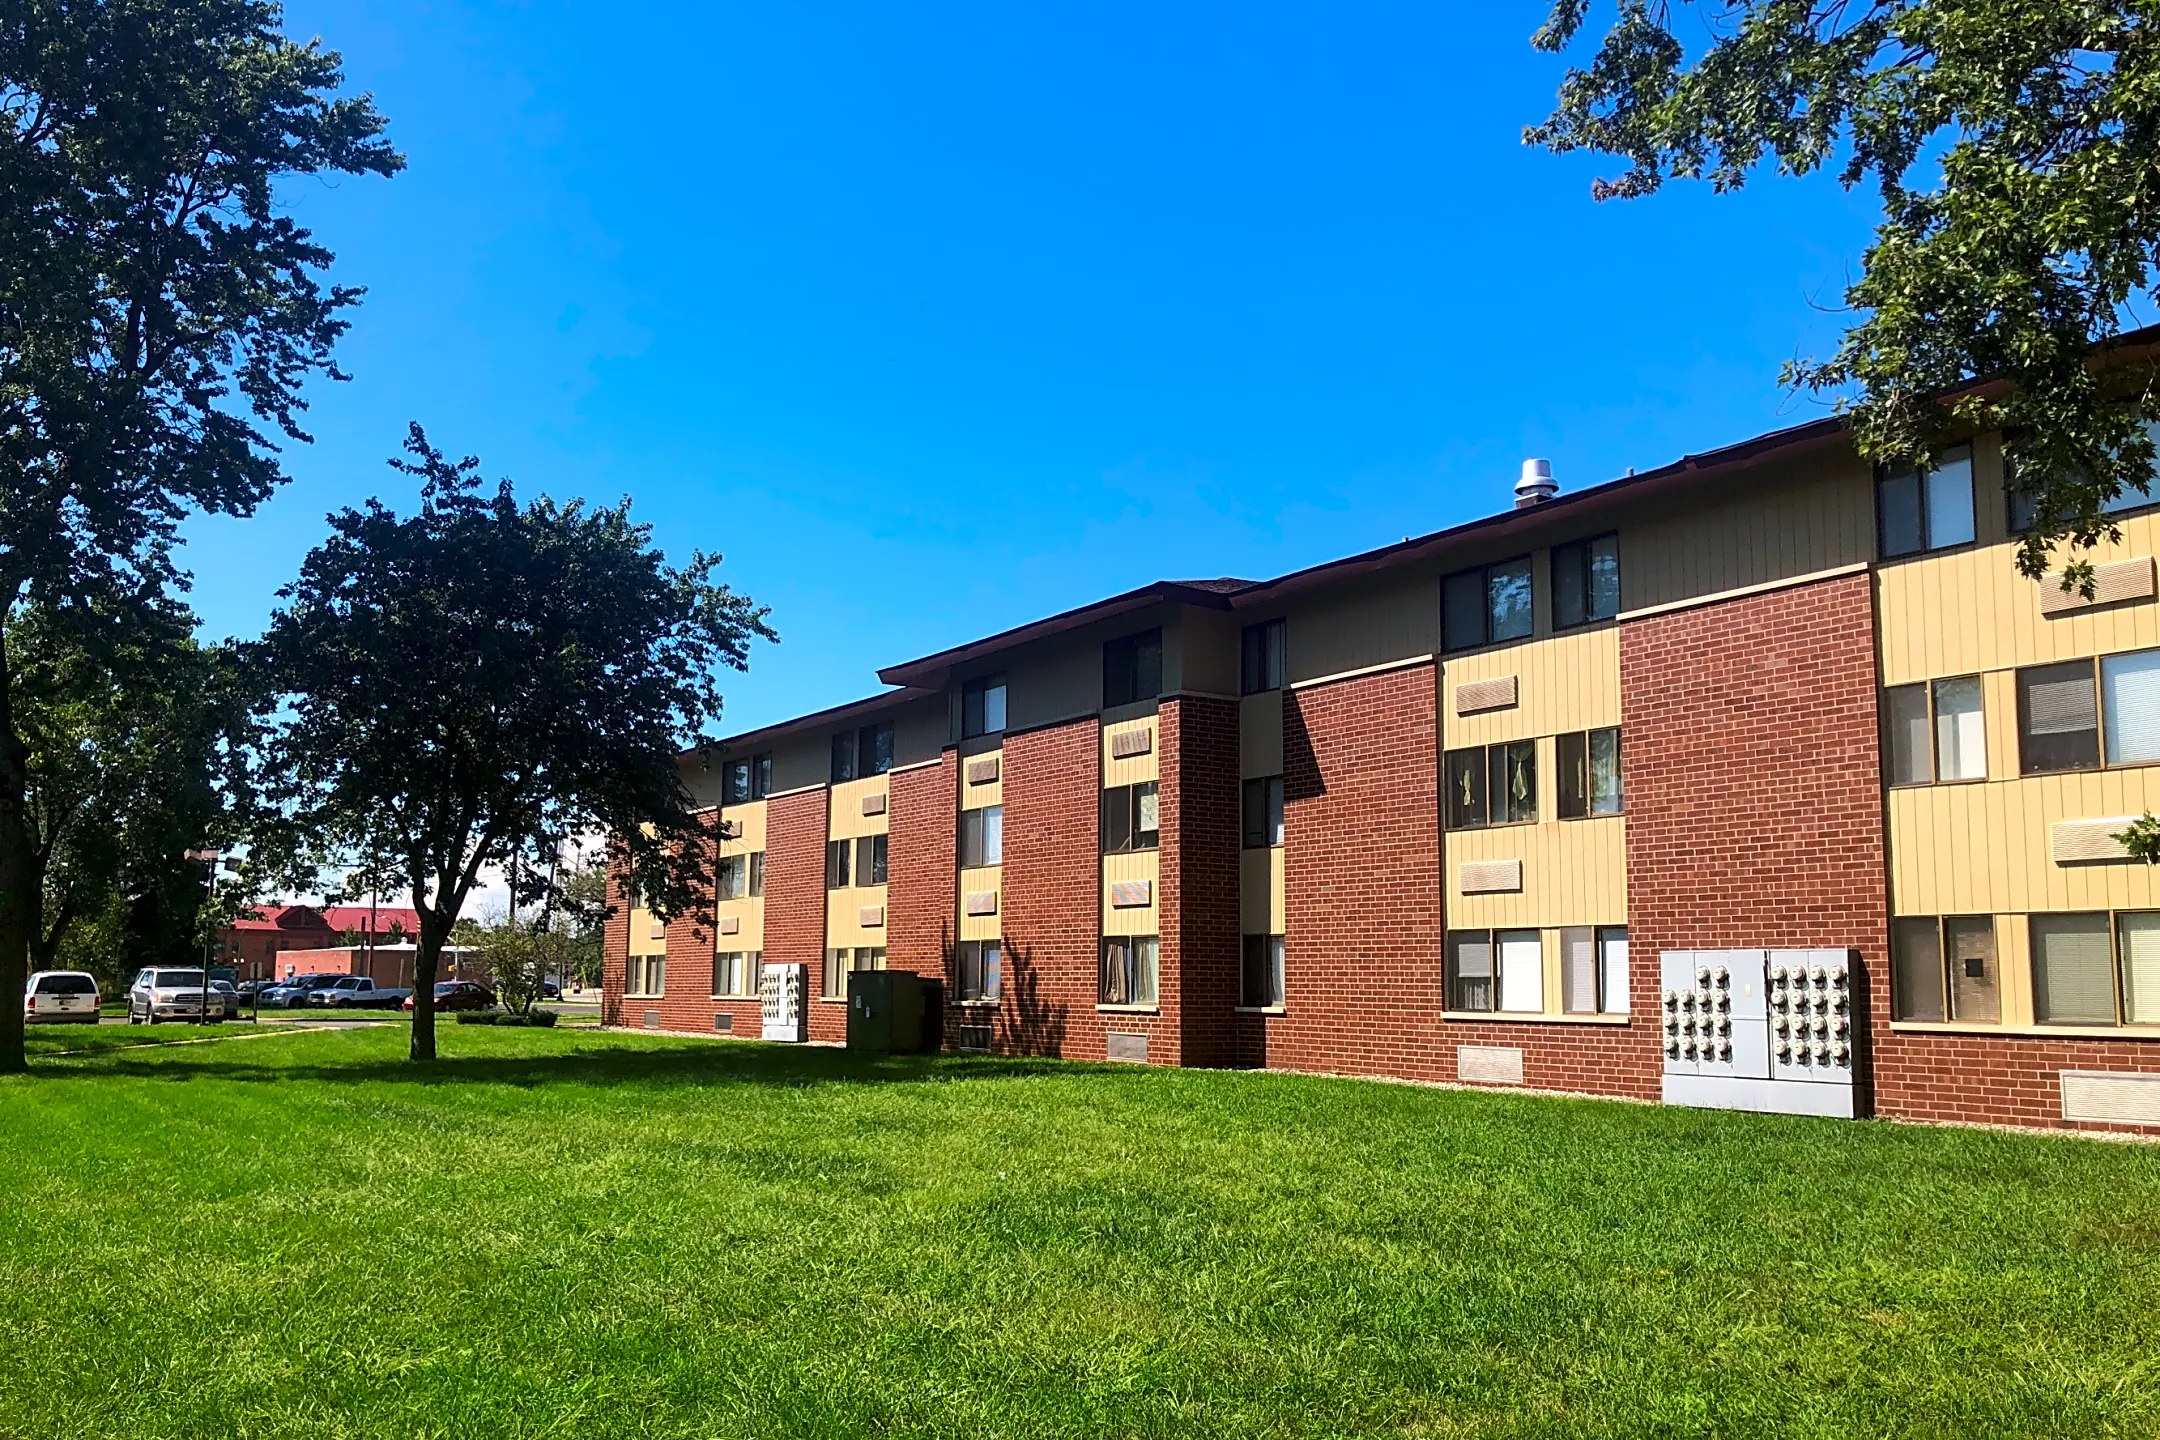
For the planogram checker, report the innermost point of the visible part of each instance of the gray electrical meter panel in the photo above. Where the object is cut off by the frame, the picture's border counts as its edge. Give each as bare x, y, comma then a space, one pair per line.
1769, 1030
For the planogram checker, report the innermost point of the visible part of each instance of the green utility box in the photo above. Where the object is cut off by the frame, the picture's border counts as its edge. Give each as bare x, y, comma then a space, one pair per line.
885, 1011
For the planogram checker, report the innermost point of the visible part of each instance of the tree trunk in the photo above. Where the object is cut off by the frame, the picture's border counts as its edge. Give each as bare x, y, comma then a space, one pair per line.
21, 894
427, 956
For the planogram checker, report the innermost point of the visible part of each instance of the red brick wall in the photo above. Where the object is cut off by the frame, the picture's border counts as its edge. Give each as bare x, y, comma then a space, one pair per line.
614, 946
920, 894
1051, 900
1996, 1080
1197, 895
1754, 794
795, 831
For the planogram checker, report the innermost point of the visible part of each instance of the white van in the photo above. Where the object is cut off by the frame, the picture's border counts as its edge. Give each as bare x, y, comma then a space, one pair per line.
60, 997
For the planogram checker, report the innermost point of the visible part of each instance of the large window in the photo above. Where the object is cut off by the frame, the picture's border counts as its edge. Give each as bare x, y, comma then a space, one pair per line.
1925, 509
1589, 779
870, 860
1495, 970
2082, 975
1132, 668
1934, 731
837, 855
1262, 987
1263, 812
982, 707
1491, 785
1127, 976
859, 754
2131, 497
1264, 660
1129, 818
742, 781
978, 967
1585, 581
737, 972
1594, 970
757, 873
2076, 716
734, 877
646, 977
1485, 605
839, 963
1944, 969
982, 837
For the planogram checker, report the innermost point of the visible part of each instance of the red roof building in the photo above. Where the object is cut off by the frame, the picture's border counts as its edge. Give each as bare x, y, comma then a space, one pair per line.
252, 943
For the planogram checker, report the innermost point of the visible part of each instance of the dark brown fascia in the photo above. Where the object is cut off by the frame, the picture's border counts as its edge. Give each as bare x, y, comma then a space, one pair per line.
750, 740
932, 671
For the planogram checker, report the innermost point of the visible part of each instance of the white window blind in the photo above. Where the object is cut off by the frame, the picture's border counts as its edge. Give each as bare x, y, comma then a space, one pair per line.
2130, 703
1578, 970
2060, 706
1522, 970
1905, 735
2073, 980
1612, 964
2140, 936
1960, 733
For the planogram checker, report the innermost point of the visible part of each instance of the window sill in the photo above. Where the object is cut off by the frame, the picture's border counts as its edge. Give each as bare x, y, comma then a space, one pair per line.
832, 999
977, 1004
1961, 780
1260, 1010
1129, 1009
736, 999
1524, 1017
2026, 1032
1271, 845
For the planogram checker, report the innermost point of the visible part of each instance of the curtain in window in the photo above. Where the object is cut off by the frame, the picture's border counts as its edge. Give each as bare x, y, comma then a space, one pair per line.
1960, 735
2073, 979
1578, 970
2130, 702
1522, 970
2140, 937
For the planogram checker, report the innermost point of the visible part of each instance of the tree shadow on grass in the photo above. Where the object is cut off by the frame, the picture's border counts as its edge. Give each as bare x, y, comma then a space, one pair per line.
705, 1064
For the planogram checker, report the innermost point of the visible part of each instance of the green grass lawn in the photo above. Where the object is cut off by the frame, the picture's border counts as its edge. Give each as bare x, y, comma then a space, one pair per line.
579, 1234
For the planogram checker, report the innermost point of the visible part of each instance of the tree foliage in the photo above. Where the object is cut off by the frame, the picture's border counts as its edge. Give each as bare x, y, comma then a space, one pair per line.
463, 687
2014, 144
159, 314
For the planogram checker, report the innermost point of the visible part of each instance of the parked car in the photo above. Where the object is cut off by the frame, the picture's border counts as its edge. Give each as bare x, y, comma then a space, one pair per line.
292, 993
162, 994
230, 994
355, 992
549, 990
249, 989
60, 997
458, 995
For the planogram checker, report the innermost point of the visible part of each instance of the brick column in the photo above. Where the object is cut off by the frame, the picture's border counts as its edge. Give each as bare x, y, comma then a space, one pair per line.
1198, 868
1051, 893
795, 830
921, 899
615, 945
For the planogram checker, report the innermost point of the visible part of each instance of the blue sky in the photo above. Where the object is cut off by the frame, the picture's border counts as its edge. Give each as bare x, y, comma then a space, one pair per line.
937, 318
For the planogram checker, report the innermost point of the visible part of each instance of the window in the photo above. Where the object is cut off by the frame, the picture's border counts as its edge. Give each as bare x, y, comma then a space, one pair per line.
870, 860
2073, 974
978, 964
1263, 812
2131, 497
843, 756
840, 962
1594, 970
1589, 778
2058, 718
1263, 980
1491, 603
2138, 941
1491, 785
1128, 818
1469, 970
1128, 970
757, 873
1132, 668
859, 754
647, 976
1491, 970
1265, 653
1934, 732
734, 877
1925, 510
2130, 706
1944, 969
737, 972
982, 707
1585, 581
982, 837
745, 780
1522, 970
836, 864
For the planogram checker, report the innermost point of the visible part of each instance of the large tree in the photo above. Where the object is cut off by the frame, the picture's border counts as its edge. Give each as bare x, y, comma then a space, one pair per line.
160, 315
461, 688
2016, 148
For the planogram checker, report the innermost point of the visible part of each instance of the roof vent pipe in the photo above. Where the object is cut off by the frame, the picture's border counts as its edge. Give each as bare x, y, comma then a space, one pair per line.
1536, 486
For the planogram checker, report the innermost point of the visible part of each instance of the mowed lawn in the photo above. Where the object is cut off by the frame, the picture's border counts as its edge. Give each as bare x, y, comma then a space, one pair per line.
586, 1234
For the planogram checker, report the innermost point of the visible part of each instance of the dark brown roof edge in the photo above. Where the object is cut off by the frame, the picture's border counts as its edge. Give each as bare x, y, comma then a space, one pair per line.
930, 669
852, 710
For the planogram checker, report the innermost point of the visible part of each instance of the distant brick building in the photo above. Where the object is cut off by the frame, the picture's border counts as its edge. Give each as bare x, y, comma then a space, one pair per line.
252, 944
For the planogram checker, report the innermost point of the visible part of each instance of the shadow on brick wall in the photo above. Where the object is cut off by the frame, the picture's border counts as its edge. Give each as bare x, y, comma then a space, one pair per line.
1301, 767
1029, 1023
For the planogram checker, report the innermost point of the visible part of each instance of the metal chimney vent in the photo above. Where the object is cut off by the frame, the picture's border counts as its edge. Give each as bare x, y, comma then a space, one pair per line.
1536, 486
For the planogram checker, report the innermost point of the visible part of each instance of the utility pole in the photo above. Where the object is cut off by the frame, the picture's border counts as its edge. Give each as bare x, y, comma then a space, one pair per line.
210, 859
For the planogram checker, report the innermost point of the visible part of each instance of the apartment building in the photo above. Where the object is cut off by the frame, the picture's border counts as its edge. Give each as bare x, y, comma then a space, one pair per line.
1762, 748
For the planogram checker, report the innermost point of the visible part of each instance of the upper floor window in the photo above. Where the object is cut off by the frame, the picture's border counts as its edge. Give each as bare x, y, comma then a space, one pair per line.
1585, 581
982, 837
2130, 497
1934, 732
1129, 818
982, 707
1931, 509
837, 853
1263, 812
1266, 652
742, 781
2079, 715
1589, 778
1488, 604
1491, 785
870, 852
742, 876
1132, 668
858, 754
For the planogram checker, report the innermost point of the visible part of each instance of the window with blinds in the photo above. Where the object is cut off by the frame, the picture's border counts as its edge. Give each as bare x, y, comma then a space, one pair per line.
1593, 970
2138, 942
2130, 706
1469, 970
1960, 730
2073, 977
1521, 960
2058, 718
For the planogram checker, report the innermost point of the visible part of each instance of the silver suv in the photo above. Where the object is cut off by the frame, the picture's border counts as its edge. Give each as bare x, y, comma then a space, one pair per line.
162, 994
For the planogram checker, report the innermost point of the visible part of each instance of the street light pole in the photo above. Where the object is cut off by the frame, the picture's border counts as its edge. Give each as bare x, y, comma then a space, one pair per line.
210, 858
